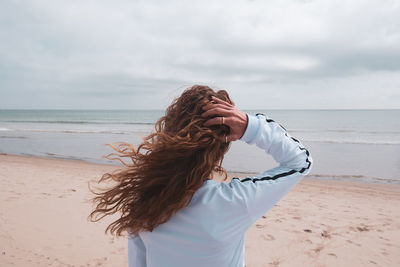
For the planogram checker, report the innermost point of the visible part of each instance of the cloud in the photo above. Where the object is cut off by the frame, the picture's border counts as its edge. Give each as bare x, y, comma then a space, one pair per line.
69, 52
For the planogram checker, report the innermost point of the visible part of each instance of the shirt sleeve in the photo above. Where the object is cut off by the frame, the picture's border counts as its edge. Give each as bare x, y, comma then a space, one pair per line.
260, 193
136, 251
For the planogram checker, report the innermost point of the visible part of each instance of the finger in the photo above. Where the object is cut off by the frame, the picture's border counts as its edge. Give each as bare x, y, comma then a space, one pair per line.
215, 109
220, 101
214, 102
230, 138
217, 112
211, 105
218, 121
213, 121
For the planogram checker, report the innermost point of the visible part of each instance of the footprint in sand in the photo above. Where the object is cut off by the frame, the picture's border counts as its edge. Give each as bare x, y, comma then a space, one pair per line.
363, 228
275, 262
381, 237
118, 251
67, 193
318, 248
333, 255
325, 234
98, 261
260, 226
354, 243
268, 237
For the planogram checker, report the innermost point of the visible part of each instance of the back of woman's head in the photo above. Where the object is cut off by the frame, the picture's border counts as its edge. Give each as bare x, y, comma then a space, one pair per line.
167, 168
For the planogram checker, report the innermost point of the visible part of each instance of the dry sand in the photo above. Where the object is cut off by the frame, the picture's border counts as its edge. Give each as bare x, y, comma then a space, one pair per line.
44, 208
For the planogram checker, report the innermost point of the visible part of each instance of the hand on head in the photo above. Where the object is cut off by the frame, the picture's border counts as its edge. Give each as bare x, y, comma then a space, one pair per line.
225, 113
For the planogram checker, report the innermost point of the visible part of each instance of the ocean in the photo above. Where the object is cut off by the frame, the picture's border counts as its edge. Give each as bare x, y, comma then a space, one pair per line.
353, 145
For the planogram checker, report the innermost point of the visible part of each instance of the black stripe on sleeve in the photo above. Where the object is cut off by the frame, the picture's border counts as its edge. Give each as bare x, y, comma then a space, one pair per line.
284, 173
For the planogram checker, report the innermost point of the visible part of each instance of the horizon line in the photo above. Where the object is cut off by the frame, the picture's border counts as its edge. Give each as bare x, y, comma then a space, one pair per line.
96, 109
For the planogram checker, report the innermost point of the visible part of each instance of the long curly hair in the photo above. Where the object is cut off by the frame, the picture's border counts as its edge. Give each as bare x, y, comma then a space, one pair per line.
167, 168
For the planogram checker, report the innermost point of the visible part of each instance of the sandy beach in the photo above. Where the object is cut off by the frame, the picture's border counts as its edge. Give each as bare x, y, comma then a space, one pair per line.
44, 209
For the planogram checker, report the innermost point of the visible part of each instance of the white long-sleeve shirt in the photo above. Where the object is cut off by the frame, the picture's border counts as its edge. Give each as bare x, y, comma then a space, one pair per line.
211, 230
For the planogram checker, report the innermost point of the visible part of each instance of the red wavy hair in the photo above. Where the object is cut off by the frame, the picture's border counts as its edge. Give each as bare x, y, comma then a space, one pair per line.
167, 168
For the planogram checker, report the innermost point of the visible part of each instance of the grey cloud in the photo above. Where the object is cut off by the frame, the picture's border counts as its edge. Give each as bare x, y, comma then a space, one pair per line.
121, 49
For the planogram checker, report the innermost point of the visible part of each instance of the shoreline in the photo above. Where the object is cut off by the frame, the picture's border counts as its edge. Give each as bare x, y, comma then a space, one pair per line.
45, 204
320, 177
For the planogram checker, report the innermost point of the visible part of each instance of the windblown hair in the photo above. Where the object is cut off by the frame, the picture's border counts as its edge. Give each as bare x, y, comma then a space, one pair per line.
167, 168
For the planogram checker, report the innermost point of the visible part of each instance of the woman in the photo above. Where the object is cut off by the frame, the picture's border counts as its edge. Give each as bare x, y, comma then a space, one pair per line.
175, 214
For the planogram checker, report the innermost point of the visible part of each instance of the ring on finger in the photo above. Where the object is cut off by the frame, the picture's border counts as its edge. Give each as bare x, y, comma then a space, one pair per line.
223, 120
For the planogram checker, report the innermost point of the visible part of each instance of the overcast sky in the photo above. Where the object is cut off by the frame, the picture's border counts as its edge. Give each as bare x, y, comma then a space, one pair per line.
141, 54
